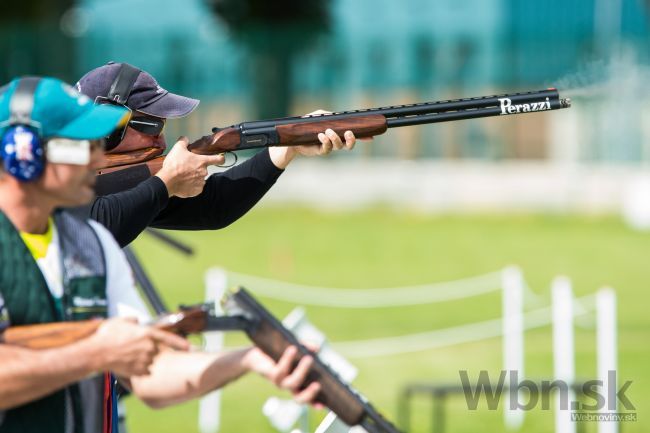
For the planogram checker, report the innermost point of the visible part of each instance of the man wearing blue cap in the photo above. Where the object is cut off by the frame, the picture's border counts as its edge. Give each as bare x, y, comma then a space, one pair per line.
56, 267
178, 196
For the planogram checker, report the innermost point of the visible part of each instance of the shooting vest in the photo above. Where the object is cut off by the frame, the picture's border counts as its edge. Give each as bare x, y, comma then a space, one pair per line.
79, 408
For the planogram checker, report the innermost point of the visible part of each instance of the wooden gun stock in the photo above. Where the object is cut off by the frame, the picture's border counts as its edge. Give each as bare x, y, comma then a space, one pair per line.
58, 334
153, 165
299, 133
286, 134
133, 157
49, 335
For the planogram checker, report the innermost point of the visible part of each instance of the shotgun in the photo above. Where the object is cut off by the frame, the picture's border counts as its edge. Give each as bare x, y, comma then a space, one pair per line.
188, 320
267, 333
244, 314
125, 170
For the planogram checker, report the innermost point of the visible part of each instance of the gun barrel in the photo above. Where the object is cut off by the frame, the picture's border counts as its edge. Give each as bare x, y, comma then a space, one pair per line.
418, 109
474, 103
506, 105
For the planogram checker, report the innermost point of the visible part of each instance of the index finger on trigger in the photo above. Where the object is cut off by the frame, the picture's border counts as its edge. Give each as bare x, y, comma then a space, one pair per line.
214, 159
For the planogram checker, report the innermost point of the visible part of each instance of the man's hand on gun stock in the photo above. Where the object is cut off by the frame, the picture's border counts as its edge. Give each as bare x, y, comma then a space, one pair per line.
184, 173
128, 349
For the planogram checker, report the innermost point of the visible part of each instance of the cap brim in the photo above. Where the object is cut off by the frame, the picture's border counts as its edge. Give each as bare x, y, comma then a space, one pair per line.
170, 106
99, 121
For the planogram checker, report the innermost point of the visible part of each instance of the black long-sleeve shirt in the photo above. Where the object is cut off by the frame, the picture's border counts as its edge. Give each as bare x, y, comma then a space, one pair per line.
227, 196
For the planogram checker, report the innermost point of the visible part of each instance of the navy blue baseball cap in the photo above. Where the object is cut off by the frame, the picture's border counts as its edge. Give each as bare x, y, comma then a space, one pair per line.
145, 96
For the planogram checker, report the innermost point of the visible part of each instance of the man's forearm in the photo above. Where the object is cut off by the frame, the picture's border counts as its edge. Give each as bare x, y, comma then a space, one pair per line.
27, 375
227, 197
180, 376
282, 156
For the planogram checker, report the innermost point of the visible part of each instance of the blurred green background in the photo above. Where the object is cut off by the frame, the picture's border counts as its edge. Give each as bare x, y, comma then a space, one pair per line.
555, 193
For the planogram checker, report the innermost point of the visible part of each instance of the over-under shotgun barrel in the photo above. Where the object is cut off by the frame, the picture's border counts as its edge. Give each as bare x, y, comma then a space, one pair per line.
394, 111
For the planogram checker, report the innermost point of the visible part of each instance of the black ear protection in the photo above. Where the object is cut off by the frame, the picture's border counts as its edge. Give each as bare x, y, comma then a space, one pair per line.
21, 145
118, 94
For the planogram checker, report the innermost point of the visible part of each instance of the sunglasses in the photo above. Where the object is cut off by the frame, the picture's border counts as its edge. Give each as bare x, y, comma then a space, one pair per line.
146, 124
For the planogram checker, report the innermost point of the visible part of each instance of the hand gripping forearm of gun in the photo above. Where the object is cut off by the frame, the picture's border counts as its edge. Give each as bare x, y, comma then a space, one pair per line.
246, 314
126, 169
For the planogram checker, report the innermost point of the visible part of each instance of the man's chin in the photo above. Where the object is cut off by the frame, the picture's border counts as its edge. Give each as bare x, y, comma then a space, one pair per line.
89, 194
84, 197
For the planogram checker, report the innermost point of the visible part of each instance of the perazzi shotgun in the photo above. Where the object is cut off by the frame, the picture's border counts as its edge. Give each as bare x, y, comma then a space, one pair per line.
244, 313
125, 170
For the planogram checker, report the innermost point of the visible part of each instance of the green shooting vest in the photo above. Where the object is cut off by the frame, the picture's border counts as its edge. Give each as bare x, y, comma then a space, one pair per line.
79, 408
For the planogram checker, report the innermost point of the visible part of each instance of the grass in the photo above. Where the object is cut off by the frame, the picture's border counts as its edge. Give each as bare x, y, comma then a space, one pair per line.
380, 248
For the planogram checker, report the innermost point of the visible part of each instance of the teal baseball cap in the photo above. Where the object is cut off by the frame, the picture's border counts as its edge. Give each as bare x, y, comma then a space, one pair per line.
60, 111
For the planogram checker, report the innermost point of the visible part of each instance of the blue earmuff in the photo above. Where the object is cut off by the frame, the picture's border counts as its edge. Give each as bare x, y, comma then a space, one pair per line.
21, 147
